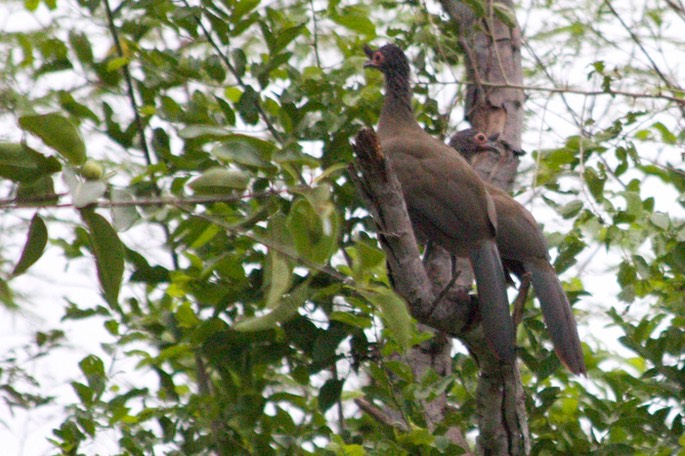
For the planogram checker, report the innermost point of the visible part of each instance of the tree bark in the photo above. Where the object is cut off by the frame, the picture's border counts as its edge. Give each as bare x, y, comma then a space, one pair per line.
447, 311
493, 61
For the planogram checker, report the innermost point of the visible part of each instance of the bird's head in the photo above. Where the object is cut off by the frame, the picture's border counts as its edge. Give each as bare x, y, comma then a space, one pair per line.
389, 59
471, 142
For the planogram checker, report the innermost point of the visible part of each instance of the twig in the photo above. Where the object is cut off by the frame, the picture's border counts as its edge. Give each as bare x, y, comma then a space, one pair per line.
315, 34
447, 288
25, 203
520, 300
379, 415
612, 92
670, 85
139, 122
208, 36
129, 86
285, 251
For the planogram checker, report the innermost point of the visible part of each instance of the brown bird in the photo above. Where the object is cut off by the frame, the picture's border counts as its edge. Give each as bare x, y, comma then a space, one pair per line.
524, 250
446, 200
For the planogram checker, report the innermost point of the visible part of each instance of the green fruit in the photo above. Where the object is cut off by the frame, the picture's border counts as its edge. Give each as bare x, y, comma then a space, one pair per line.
92, 170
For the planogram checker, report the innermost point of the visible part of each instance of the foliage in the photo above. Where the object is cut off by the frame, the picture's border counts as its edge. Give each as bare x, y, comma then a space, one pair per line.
257, 304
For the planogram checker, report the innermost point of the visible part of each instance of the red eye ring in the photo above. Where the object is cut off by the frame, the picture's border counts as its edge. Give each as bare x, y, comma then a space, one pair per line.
480, 138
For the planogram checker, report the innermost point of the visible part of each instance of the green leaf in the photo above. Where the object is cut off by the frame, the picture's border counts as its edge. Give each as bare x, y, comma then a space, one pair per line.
35, 245
239, 61
245, 150
595, 182
418, 436
229, 113
81, 46
504, 14
393, 311
329, 393
284, 37
569, 248
215, 68
69, 104
248, 105
358, 321
20, 163
6, 295
279, 268
660, 220
37, 193
666, 135
242, 7
219, 181
357, 19
570, 209
109, 254
84, 393
477, 6
94, 370
367, 263
185, 316
314, 232
200, 131
281, 313
57, 132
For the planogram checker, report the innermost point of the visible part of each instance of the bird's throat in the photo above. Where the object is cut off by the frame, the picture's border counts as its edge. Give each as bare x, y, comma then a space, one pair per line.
397, 112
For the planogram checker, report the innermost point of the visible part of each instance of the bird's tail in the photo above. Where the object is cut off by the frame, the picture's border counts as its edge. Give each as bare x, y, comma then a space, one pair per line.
558, 315
498, 326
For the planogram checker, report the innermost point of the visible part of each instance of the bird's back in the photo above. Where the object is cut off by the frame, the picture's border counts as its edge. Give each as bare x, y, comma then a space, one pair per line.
443, 194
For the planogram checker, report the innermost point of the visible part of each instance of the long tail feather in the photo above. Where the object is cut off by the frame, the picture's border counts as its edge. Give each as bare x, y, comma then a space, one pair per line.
494, 304
558, 315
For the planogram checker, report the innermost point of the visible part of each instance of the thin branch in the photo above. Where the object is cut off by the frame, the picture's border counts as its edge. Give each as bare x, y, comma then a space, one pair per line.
520, 301
129, 86
549, 76
138, 119
283, 250
208, 36
677, 7
447, 288
379, 415
612, 92
315, 34
28, 203
675, 88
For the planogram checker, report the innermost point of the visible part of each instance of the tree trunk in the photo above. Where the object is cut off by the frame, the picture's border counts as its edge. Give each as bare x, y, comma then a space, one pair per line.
493, 65
493, 61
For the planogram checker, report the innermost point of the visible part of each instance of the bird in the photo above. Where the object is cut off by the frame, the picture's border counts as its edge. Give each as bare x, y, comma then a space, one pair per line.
446, 200
523, 248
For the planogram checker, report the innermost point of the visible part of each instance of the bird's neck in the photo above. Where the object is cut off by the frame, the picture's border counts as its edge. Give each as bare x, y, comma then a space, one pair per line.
397, 113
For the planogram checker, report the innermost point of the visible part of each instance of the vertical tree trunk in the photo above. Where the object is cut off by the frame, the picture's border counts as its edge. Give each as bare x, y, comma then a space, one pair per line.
493, 60
493, 64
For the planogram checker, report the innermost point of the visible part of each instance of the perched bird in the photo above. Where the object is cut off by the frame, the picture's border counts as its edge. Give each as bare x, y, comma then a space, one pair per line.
524, 250
446, 200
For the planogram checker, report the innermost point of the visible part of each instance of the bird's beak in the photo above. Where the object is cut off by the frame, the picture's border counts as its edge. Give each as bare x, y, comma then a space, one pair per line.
369, 53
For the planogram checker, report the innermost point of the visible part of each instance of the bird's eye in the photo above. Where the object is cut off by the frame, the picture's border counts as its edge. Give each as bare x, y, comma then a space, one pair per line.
378, 58
480, 138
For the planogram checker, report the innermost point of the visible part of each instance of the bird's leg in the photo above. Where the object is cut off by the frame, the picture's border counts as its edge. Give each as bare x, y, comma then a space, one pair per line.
520, 300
